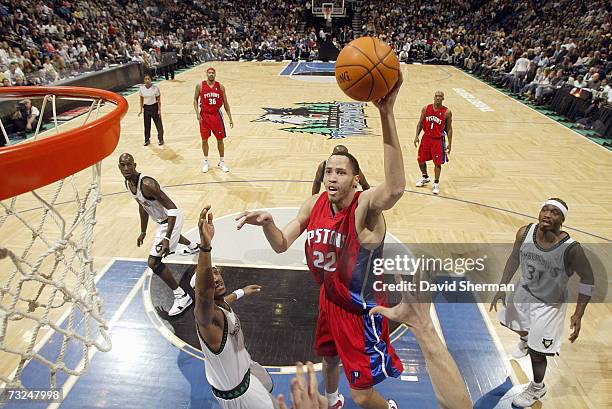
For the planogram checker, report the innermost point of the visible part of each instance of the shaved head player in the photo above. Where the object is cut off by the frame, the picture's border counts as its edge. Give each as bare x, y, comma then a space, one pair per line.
345, 230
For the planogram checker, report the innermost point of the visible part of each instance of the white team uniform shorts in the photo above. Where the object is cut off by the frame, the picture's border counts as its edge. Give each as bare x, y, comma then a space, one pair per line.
162, 229
543, 322
256, 397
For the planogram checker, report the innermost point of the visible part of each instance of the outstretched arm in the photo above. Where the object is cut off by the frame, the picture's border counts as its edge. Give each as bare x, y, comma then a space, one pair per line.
385, 195
205, 283
280, 240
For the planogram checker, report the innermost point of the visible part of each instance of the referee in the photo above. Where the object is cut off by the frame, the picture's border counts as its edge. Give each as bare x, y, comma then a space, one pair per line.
150, 101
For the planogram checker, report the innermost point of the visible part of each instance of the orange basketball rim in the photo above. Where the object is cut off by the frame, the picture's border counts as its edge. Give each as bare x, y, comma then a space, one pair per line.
31, 165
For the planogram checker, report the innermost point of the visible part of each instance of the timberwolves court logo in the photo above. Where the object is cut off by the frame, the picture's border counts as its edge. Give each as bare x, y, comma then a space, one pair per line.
332, 119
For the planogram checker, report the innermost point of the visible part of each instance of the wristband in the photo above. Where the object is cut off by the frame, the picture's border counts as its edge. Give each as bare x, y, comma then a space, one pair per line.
585, 289
173, 212
239, 293
205, 249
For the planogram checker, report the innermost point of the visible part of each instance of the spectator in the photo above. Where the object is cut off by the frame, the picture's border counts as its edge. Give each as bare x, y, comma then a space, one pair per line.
24, 116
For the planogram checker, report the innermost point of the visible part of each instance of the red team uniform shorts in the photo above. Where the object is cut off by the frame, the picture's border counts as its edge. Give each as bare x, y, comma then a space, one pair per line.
212, 122
362, 343
432, 149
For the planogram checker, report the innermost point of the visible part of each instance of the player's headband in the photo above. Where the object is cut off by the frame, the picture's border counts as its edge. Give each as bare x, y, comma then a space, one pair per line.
558, 205
211, 69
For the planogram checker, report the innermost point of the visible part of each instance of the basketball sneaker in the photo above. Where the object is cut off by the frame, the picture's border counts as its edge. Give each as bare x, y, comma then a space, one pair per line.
520, 349
422, 181
529, 396
223, 167
190, 250
435, 189
205, 167
392, 404
181, 302
339, 403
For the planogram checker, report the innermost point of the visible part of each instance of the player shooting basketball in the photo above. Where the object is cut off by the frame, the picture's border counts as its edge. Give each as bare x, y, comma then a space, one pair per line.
345, 230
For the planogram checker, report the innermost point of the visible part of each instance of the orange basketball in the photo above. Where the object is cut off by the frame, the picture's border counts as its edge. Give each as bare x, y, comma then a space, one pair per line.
367, 69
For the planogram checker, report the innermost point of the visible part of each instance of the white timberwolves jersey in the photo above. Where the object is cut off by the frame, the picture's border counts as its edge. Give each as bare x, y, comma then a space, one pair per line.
545, 273
226, 368
155, 210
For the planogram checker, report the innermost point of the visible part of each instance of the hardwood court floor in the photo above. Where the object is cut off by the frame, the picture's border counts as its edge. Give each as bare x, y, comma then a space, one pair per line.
504, 164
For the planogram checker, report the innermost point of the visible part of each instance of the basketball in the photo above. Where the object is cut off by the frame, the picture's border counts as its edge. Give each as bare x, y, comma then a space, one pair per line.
367, 69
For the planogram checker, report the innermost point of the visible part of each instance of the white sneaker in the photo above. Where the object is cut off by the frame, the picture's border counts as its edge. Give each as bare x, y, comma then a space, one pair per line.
339, 403
187, 250
180, 304
520, 350
205, 166
529, 396
435, 189
222, 166
192, 281
422, 182
392, 404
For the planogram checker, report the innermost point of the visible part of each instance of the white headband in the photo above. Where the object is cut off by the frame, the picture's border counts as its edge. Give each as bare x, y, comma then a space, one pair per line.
558, 205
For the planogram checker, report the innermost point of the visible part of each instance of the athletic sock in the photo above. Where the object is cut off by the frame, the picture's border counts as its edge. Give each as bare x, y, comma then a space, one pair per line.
205, 158
332, 398
437, 181
192, 246
425, 176
538, 385
179, 291
221, 159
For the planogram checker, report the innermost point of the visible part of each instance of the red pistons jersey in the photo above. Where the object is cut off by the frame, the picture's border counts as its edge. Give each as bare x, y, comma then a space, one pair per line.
211, 98
434, 124
337, 260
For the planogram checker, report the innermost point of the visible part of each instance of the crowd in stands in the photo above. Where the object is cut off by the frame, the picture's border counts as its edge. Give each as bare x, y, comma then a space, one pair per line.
46, 41
532, 47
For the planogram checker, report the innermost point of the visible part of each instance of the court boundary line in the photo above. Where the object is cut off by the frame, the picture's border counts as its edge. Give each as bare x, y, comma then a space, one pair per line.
531, 108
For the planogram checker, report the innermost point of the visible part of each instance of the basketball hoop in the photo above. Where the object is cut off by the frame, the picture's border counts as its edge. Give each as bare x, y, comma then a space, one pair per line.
46, 265
328, 9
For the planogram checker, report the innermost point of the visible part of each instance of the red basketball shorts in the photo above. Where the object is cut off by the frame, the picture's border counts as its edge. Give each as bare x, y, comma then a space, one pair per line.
432, 149
212, 122
362, 343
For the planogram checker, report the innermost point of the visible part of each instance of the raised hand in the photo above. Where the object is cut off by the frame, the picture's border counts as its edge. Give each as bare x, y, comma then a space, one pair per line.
206, 227
256, 218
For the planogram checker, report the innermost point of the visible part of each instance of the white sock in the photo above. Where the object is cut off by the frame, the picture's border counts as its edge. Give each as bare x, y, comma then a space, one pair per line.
221, 160
538, 385
192, 246
206, 159
332, 398
179, 291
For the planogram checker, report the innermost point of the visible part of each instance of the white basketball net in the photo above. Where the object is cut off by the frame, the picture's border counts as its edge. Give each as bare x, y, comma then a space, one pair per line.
47, 287
327, 12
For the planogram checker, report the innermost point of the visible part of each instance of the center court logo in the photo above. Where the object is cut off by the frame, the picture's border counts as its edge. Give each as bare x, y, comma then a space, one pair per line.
333, 119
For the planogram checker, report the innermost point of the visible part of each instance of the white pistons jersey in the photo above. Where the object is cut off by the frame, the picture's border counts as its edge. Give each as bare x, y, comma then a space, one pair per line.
545, 273
226, 368
155, 209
